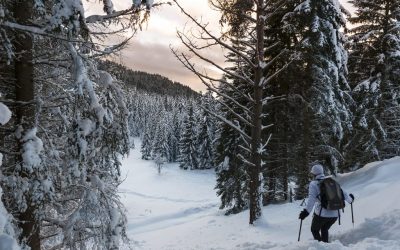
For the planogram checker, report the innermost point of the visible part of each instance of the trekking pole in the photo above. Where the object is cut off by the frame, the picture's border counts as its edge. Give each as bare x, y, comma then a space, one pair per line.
301, 223
352, 214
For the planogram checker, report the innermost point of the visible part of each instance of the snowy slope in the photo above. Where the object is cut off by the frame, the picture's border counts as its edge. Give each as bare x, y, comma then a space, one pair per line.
178, 209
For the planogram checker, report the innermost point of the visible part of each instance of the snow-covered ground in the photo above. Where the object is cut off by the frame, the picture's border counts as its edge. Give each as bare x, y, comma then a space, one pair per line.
178, 209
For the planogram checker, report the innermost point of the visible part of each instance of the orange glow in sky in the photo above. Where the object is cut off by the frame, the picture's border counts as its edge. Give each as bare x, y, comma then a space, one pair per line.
149, 50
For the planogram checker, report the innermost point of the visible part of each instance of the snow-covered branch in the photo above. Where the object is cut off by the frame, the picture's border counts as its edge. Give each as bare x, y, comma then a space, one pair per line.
112, 15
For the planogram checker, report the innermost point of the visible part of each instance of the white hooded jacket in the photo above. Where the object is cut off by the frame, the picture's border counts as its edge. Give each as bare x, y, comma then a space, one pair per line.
313, 199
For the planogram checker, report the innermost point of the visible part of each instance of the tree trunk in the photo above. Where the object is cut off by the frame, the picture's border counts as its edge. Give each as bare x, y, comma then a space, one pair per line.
305, 151
255, 169
24, 92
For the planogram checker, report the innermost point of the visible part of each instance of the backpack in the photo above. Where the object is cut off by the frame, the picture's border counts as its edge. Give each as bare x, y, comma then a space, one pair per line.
331, 194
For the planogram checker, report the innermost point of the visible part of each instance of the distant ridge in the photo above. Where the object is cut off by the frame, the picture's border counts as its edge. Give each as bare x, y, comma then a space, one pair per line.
150, 83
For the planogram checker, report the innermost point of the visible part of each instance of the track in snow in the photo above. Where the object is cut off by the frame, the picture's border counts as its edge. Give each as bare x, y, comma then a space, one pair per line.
162, 198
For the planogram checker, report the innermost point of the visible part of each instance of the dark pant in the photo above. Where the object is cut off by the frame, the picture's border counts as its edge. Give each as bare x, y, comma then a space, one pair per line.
321, 224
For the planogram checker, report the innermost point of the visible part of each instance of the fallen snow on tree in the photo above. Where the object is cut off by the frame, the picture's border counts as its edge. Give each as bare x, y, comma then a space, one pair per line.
7, 241
32, 147
5, 114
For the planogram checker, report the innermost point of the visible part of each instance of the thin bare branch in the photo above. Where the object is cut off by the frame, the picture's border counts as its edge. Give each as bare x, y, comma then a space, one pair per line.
186, 62
230, 124
218, 40
188, 45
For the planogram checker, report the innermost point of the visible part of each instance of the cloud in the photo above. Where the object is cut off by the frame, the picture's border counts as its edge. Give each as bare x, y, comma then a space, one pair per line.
158, 58
149, 50
154, 58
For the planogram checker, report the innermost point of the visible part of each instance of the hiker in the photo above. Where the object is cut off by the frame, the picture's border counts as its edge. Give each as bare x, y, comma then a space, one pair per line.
323, 218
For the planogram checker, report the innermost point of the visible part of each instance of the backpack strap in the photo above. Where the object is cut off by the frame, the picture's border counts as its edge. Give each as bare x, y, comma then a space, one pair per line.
338, 216
319, 186
319, 196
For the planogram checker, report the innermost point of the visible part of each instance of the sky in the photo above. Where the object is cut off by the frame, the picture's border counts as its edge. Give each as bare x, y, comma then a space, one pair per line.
150, 51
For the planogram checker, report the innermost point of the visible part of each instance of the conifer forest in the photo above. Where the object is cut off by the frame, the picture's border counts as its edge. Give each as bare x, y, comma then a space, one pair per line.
302, 82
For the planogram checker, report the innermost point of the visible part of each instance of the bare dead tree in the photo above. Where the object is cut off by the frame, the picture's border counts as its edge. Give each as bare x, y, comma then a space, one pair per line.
197, 41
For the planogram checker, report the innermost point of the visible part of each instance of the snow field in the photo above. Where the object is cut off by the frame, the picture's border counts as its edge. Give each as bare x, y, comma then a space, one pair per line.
178, 209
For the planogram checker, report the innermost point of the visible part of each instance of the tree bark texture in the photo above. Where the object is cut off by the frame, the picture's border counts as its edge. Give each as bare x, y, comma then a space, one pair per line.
255, 169
25, 113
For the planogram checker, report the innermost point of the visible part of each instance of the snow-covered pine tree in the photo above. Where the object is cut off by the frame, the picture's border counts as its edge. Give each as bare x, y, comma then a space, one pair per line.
92, 170
160, 143
232, 177
374, 75
171, 144
62, 196
18, 168
158, 116
174, 134
205, 135
282, 110
212, 104
322, 88
146, 146
188, 150
134, 116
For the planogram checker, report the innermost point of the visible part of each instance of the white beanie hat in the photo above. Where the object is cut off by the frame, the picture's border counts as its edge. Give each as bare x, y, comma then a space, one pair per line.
317, 169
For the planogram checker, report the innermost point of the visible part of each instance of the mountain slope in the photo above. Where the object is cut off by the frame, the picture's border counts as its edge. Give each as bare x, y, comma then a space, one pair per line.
149, 83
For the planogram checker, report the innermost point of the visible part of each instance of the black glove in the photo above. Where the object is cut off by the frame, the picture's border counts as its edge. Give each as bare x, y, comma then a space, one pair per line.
352, 197
303, 214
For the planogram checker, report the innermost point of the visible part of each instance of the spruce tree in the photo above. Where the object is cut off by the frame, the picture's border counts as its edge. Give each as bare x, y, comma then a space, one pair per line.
188, 150
321, 89
232, 177
174, 135
205, 135
60, 181
282, 110
232, 173
160, 143
374, 74
146, 146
